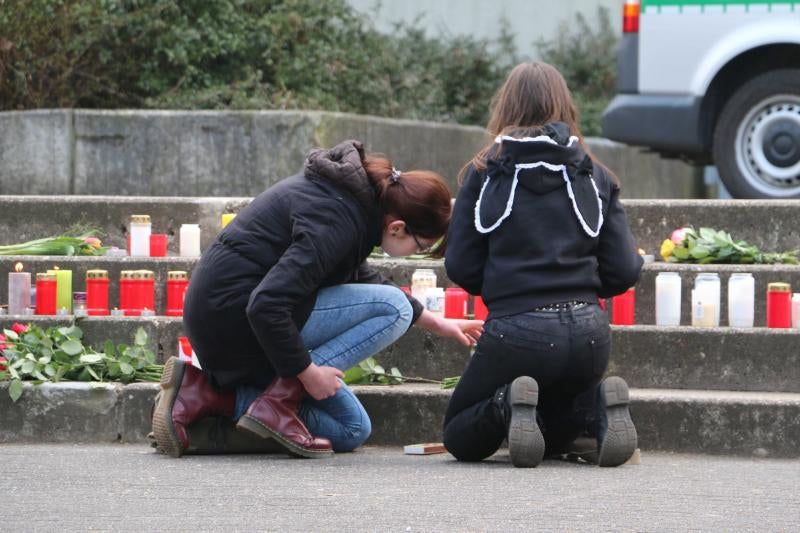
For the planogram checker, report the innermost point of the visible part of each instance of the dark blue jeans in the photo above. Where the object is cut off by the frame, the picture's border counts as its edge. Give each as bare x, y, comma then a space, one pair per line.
566, 352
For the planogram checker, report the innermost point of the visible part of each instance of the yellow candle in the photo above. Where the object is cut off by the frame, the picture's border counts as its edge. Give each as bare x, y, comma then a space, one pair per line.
226, 218
63, 288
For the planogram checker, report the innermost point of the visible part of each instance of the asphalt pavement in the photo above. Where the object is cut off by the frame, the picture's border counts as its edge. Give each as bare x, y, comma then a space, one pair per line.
132, 488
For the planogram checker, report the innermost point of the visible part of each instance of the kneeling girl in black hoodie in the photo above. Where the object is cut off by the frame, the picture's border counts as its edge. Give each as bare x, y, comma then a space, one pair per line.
538, 231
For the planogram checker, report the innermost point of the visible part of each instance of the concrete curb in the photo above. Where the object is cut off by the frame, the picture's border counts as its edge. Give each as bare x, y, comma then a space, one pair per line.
734, 423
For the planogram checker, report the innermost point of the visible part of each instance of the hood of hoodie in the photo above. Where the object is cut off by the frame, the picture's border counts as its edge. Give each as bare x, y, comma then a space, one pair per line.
343, 166
543, 164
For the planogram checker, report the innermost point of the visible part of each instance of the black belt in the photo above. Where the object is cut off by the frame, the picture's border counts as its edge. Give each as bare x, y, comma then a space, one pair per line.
561, 306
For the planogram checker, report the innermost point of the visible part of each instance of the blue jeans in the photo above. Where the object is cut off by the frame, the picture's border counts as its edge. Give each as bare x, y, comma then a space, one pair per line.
348, 324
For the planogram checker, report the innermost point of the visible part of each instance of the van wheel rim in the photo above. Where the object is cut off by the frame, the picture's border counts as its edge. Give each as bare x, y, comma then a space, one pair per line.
768, 144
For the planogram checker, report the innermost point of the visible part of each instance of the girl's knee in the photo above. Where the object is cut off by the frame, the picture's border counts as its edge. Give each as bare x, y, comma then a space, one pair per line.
405, 313
354, 436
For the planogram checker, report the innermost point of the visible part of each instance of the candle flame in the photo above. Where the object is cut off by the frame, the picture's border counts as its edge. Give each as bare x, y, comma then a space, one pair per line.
18, 267
55, 268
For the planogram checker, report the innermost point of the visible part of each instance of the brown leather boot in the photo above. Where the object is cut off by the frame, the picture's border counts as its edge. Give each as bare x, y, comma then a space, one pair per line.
274, 415
186, 396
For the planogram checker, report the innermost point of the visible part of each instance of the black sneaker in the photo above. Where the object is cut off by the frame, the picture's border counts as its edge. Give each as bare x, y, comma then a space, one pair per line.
525, 440
616, 437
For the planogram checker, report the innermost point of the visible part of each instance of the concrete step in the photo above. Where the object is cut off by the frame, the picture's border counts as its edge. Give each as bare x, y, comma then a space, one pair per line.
769, 224
401, 271
720, 422
756, 359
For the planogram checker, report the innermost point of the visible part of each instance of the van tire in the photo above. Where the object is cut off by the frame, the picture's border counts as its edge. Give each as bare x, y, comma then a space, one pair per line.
742, 146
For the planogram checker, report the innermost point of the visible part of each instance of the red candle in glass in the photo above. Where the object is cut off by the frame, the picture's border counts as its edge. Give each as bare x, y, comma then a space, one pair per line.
455, 302
184, 350
126, 291
45, 294
97, 292
158, 245
480, 310
177, 281
623, 307
144, 291
779, 305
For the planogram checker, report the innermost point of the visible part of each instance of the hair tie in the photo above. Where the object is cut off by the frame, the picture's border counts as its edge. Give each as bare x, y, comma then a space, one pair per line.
395, 177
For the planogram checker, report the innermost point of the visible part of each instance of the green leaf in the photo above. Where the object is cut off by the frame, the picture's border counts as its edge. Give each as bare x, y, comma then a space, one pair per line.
93, 374
27, 366
707, 234
10, 335
91, 358
140, 338
109, 348
396, 372
354, 375
72, 347
15, 390
50, 370
700, 252
126, 369
379, 369
681, 254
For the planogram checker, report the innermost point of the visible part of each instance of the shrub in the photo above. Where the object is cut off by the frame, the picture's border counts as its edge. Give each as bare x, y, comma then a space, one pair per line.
267, 54
586, 56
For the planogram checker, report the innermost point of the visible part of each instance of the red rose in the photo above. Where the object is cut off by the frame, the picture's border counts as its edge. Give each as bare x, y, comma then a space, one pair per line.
18, 328
2, 360
2, 342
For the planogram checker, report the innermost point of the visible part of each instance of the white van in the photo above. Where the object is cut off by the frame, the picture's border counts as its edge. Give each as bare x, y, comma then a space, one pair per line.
714, 82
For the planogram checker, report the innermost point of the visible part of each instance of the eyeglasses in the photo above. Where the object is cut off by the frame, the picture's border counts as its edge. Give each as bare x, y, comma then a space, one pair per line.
420, 248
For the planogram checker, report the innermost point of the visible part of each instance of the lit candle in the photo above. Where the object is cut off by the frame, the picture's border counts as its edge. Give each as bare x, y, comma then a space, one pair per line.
63, 289
45, 294
19, 290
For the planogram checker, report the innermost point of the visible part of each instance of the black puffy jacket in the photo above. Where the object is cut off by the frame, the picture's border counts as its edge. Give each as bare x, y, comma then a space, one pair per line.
254, 288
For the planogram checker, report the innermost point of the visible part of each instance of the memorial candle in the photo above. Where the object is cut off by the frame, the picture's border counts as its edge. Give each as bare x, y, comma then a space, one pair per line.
177, 282
63, 288
19, 290
45, 294
97, 292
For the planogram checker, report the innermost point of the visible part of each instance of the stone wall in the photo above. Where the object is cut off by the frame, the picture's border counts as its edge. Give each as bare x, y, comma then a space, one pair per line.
229, 153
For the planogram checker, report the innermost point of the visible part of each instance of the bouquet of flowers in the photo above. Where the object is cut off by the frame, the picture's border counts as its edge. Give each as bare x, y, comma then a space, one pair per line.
70, 243
707, 245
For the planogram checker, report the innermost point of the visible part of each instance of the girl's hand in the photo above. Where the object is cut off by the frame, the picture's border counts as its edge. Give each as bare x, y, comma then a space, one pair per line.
467, 332
321, 381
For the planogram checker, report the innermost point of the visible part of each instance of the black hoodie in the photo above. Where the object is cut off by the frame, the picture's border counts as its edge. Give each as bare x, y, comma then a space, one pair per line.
542, 224
254, 288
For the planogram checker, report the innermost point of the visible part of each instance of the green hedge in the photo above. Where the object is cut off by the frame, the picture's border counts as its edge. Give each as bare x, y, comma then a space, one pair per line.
240, 54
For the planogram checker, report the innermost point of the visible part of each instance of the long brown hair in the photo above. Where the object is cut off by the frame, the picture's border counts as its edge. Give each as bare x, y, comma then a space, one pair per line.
420, 198
533, 94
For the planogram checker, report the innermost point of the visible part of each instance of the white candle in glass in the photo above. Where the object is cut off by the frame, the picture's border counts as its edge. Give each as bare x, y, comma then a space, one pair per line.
190, 240
140, 229
741, 300
19, 290
668, 299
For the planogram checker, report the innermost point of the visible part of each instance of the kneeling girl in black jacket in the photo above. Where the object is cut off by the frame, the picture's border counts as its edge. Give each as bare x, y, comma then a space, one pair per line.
539, 232
284, 301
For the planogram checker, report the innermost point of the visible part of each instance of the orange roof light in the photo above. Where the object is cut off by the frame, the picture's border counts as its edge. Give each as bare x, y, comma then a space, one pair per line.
630, 16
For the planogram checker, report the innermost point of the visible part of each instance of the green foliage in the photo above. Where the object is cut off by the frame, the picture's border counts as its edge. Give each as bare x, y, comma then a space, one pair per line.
585, 53
369, 372
238, 54
711, 246
58, 354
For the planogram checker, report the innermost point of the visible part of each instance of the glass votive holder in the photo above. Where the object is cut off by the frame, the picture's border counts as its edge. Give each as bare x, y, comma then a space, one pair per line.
28, 311
3, 310
148, 312
117, 312
63, 312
